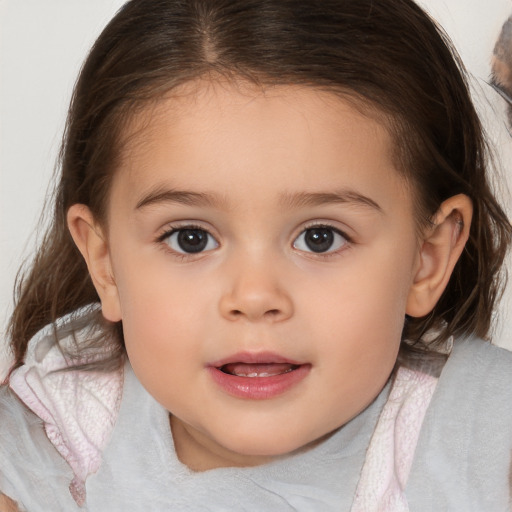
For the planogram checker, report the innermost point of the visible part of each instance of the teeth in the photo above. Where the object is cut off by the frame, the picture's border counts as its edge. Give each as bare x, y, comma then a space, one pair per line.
257, 370
262, 374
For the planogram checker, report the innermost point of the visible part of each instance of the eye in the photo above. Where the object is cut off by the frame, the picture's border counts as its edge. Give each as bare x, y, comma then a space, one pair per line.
320, 239
190, 240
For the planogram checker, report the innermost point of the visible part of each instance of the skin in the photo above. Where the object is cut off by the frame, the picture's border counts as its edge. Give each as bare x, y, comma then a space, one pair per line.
258, 155
7, 505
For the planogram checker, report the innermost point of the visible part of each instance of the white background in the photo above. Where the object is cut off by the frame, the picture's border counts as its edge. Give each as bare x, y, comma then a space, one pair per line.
42, 45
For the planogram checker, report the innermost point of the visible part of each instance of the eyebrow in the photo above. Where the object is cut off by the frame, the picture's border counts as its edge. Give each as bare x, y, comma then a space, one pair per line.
304, 199
290, 200
161, 195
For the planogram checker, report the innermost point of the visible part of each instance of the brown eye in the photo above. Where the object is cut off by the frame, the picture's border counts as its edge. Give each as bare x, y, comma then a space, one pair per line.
190, 240
320, 239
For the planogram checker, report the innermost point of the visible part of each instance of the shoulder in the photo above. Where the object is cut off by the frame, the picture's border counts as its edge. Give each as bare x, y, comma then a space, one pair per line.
474, 391
20, 429
479, 371
463, 456
481, 353
26, 455
27, 458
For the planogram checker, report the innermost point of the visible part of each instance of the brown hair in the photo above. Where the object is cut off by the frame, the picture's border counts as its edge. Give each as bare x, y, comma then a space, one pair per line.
387, 53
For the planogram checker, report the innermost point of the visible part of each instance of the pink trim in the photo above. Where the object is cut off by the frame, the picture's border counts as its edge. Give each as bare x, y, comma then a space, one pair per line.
381, 487
78, 408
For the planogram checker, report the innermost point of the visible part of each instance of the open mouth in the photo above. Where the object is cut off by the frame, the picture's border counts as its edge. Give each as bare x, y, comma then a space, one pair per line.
257, 376
254, 370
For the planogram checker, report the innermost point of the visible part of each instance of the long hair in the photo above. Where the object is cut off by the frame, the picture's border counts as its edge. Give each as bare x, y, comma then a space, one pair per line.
388, 54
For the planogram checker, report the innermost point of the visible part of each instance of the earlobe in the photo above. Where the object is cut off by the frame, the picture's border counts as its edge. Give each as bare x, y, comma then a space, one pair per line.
440, 250
92, 244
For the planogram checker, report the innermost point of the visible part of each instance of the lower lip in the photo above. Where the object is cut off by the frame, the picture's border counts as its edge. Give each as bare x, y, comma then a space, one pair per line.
259, 388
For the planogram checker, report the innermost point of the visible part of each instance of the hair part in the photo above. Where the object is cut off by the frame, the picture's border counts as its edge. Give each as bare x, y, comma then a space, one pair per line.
388, 55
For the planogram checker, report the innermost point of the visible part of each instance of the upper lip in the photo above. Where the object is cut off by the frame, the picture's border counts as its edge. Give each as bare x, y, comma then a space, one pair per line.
255, 358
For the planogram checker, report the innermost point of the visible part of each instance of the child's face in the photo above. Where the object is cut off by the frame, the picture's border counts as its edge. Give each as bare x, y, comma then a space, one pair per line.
286, 320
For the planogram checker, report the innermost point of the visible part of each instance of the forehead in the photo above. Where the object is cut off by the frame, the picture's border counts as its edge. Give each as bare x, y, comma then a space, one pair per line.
211, 134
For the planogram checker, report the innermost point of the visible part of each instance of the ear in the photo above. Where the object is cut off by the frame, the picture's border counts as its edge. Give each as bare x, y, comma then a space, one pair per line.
92, 243
440, 249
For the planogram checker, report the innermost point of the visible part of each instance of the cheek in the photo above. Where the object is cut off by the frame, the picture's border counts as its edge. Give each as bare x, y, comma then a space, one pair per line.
161, 345
150, 286
159, 315
369, 294
359, 315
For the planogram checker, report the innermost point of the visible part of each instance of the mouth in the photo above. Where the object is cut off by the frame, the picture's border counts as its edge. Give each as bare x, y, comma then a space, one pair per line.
258, 369
257, 376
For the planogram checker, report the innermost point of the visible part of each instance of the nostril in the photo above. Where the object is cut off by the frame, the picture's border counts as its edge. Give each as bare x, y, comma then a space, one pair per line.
271, 313
254, 306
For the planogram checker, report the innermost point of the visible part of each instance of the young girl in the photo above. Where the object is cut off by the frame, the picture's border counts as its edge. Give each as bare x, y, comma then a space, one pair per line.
274, 254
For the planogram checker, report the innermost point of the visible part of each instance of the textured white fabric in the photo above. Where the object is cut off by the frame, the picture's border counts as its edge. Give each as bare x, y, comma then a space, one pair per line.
78, 408
389, 458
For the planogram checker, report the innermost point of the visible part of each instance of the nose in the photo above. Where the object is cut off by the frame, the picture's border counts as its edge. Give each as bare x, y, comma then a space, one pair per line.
255, 293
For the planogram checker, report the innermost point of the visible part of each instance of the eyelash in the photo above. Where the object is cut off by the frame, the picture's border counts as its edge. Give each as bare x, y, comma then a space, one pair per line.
161, 240
329, 254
